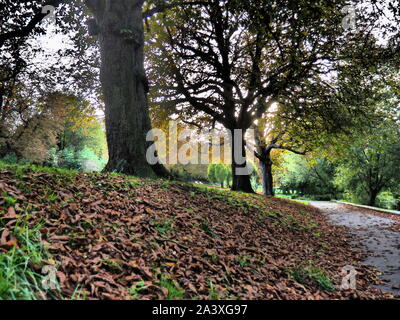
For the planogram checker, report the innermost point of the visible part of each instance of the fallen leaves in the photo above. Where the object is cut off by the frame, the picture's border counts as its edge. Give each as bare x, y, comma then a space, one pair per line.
7, 241
105, 236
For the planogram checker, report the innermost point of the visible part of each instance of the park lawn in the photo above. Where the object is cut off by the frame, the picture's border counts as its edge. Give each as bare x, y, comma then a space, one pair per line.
111, 236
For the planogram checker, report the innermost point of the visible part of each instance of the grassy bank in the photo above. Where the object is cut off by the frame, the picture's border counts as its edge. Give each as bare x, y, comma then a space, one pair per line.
111, 236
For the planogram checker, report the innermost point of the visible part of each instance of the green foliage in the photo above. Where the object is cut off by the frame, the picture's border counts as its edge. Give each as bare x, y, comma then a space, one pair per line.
219, 174
84, 160
313, 181
371, 165
189, 172
10, 158
254, 176
80, 148
163, 227
9, 202
387, 200
207, 229
212, 292
64, 134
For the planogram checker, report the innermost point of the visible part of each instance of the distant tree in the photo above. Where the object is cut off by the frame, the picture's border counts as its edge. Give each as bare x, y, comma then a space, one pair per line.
33, 133
308, 177
219, 173
51, 124
28, 71
372, 163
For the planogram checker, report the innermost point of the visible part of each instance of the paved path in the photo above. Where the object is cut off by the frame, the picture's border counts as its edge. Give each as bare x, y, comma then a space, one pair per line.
382, 245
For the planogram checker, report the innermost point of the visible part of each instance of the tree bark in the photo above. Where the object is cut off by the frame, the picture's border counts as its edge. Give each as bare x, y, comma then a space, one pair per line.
267, 176
372, 197
124, 84
240, 181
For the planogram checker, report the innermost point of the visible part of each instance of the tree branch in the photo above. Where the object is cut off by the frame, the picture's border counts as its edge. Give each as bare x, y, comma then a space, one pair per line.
165, 6
32, 24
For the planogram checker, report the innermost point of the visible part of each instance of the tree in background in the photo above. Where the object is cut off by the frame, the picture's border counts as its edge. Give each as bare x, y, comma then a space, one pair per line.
312, 178
270, 136
26, 62
372, 164
230, 61
29, 122
58, 130
219, 173
31, 127
33, 137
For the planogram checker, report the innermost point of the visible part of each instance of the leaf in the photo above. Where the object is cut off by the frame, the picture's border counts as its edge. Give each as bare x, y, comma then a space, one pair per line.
11, 213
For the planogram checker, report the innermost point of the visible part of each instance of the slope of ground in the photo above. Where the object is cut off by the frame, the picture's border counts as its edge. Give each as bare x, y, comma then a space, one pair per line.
117, 237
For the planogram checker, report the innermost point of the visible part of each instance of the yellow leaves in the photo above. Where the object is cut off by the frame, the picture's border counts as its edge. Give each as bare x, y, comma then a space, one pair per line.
170, 264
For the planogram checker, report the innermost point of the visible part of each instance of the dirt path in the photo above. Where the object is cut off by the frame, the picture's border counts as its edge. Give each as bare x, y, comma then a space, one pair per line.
382, 244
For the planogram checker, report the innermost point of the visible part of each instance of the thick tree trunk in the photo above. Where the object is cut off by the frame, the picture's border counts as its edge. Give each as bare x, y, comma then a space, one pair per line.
124, 85
267, 177
240, 180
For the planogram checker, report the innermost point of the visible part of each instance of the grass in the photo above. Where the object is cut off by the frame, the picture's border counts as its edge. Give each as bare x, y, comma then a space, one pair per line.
174, 291
18, 280
303, 200
21, 265
213, 292
307, 274
243, 261
163, 227
9, 201
19, 169
134, 291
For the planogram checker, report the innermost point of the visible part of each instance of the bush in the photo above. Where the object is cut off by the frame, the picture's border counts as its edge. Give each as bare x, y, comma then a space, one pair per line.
10, 158
386, 200
320, 197
84, 160
220, 174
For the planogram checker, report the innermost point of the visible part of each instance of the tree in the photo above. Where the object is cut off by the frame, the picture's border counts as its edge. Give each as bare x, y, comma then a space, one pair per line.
315, 115
219, 173
81, 143
308, 177
372, 164
267, 139
34, 132
119, 26
231, 60
29, 71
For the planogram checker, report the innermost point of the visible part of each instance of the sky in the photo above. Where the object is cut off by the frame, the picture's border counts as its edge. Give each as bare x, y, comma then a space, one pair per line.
50, 43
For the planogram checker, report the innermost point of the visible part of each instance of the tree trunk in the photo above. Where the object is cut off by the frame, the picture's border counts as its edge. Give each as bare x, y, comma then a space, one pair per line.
124, 85
372, 198
240, 180
267, 177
